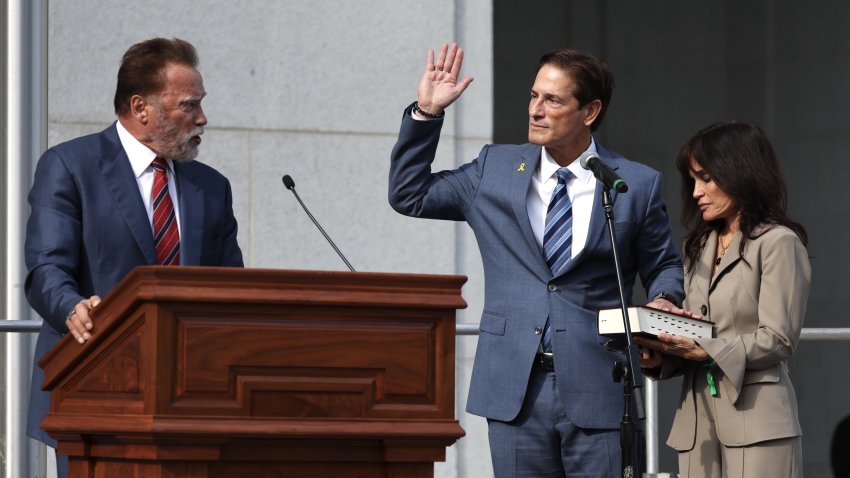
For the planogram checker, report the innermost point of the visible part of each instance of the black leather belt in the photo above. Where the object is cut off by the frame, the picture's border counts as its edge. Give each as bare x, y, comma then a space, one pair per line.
544, 361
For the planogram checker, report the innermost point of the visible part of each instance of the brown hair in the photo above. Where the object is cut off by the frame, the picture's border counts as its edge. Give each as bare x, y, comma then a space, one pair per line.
142, 67
738, 158
592, 77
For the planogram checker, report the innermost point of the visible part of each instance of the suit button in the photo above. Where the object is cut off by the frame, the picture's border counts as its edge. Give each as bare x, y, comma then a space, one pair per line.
703, 310
552, 288
538, 330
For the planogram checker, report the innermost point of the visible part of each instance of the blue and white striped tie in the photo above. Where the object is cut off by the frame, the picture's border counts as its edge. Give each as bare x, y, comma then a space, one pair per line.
558, 233
557, 238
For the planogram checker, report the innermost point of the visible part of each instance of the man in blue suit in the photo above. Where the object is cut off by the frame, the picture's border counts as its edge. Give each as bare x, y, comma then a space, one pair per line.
92, 210
542, 375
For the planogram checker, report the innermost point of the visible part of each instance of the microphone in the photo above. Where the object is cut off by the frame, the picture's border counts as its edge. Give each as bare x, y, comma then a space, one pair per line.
290, 184
603, 172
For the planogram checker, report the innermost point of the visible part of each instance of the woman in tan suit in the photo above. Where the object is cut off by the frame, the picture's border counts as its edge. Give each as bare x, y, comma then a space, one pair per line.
747, 271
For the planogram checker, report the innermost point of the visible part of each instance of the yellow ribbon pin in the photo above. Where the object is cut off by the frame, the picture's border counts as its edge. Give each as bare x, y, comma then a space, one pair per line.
521, 167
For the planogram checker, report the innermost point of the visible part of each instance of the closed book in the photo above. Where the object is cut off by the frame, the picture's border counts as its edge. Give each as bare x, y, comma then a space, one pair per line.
649, 321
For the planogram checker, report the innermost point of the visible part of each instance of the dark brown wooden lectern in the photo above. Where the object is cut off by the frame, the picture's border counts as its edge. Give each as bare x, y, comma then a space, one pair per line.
220, 372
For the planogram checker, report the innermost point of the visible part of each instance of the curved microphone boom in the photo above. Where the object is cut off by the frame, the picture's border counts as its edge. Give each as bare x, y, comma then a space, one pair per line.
290, 184
603, 172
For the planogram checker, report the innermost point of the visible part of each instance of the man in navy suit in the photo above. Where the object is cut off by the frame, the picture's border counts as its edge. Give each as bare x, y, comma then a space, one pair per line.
542, 375
91, 206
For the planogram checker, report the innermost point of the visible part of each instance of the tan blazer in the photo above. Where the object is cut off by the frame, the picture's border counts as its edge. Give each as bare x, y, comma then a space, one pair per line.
757, 302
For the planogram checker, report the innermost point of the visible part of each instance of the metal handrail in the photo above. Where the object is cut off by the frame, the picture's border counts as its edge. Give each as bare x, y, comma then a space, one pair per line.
825, 333
812, 333
462, 329
20, 325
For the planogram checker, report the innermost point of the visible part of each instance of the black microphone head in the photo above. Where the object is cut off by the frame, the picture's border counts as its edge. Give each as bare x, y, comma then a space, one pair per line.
586, 157
288, 182
620, 186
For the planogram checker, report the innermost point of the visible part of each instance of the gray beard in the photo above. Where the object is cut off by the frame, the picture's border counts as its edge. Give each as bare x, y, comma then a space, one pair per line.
171, 145
187, 152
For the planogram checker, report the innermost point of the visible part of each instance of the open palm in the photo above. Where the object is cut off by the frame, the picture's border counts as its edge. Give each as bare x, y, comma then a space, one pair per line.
440, 86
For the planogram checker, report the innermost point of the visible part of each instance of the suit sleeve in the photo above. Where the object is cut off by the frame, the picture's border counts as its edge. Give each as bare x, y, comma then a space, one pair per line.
414, 190
53, 240
658, 260
231, 255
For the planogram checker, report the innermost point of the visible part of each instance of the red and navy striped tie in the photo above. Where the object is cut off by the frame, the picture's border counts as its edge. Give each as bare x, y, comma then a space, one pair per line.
166, 237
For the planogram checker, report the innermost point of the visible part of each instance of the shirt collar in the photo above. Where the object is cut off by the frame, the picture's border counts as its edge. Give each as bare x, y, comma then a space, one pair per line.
548, 166
140, 156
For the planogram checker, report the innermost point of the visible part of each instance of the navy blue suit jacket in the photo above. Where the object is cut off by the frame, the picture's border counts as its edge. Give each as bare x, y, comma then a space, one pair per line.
88, 228
489, 193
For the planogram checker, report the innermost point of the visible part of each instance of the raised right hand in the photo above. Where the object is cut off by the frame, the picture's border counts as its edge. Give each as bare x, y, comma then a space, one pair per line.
439, 86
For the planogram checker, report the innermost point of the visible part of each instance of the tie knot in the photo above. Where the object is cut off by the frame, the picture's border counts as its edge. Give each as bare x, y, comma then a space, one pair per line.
564, 175
159, 164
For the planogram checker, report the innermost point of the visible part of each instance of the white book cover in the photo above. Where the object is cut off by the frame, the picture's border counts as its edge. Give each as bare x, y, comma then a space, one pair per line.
648, 321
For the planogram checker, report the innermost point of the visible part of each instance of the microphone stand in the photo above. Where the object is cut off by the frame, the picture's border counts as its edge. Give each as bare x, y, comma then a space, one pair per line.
290, 184
629, 373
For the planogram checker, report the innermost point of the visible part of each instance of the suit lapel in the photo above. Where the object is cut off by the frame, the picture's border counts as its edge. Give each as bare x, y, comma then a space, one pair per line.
121, 183
597, 229
191, 214
699, 283
523, 173
702, 283
729, 259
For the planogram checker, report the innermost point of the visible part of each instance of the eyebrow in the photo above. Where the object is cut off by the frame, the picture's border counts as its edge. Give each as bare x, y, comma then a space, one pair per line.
547, 95
191, 99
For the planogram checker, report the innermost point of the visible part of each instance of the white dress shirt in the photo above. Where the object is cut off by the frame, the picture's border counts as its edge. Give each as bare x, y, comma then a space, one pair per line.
141, 158
581, 189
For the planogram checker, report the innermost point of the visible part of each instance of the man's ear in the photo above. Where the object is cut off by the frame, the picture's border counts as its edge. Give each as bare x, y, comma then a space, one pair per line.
139, 109
591, 111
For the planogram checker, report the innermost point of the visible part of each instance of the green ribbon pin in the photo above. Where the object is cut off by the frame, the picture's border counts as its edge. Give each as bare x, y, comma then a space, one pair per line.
708, 365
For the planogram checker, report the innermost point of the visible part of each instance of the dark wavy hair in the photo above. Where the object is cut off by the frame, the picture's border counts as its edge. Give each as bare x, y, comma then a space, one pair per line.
141, 71
740, 160
593, 78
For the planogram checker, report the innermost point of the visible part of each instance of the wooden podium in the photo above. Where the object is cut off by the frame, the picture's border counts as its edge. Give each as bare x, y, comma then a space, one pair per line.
222, 372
